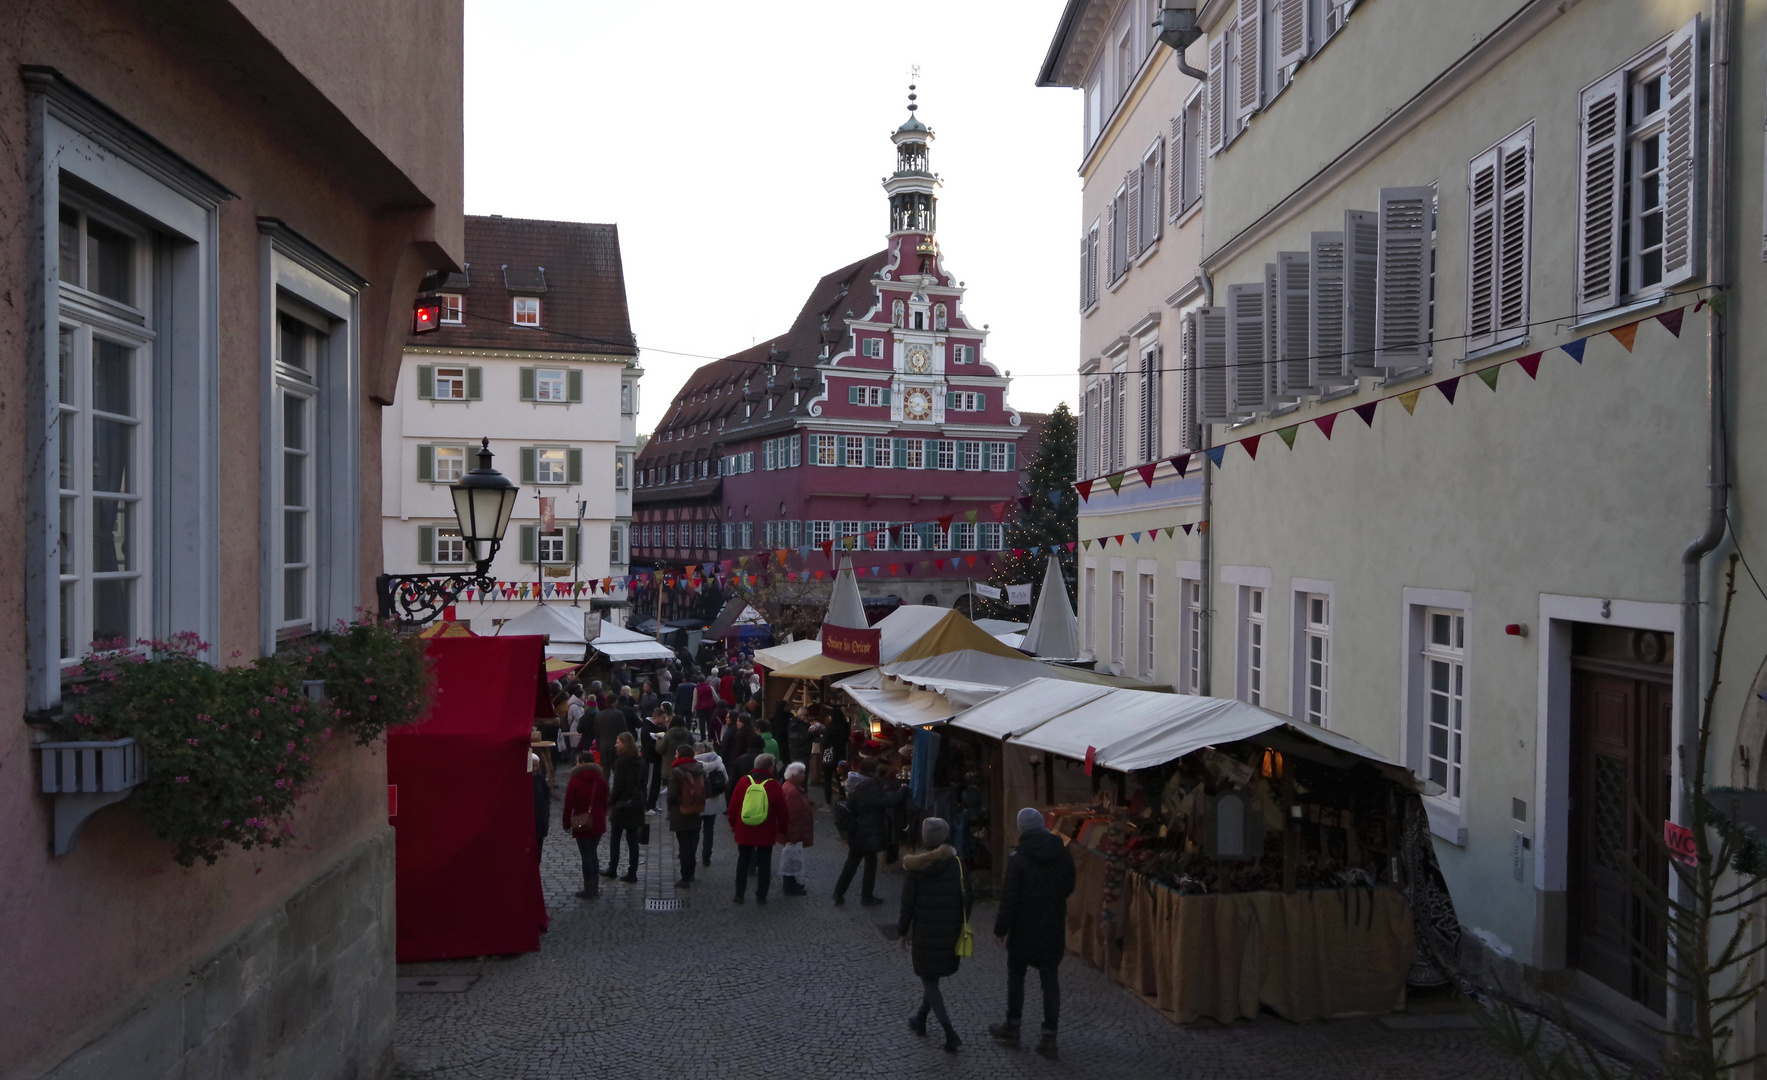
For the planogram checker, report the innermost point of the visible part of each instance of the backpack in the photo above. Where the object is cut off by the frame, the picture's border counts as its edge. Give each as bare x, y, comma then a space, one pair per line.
692, 800
843, 817
716, 782
755, 805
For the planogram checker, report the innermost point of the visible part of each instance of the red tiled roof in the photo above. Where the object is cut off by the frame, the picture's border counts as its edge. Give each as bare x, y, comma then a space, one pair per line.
574, 269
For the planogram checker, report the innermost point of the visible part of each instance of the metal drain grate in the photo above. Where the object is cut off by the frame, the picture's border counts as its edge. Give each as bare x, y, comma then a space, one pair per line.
662, 905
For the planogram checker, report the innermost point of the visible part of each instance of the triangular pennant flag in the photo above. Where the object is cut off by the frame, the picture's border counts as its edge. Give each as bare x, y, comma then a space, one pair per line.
1087, 544
1116, 482
1671, 320
804, 552
971, 559
1449, 387
1326, 423
1181, 463
1170, 530
827, 549
945, 520
1574, 349
1700, 304
1530, 364
1215, 454
1119, 539
1409, 400
997, 510
1187, 527
1490, 375
874, 571
1135, 536
1084, 487
1287, 435
1626, 335
1024, 502
1251, 446
894, 567
1035, 549
1054, 496
940, 563
1366, 412
971, 515
818, 575
1146, 472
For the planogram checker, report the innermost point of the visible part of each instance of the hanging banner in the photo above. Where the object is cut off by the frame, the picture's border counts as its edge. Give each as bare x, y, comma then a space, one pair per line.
1018, 594
852, 646
988, 591
547, 522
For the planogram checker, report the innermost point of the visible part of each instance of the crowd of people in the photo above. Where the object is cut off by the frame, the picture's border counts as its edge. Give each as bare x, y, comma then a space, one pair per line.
680, 752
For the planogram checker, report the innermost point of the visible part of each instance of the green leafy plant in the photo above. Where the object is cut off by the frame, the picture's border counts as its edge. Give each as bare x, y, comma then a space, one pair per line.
230, 750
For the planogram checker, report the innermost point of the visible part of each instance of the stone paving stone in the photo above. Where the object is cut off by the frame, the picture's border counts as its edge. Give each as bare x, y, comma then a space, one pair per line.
803, 989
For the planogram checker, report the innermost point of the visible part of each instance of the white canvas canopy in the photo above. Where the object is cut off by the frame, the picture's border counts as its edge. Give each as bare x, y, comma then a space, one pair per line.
1000, 626
1054, 631
845, 608
562, 626
913, 709
775, 657
619, 643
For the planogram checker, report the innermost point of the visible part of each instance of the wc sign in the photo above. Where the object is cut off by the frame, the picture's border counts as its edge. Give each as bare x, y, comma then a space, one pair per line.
1680, 842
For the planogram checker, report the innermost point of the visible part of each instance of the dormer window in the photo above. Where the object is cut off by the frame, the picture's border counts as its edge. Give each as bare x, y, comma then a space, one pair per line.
452, 315
920, 320
526, 311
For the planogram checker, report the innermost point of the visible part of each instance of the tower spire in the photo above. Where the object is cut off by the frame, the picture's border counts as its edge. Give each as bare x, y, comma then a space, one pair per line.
913, 187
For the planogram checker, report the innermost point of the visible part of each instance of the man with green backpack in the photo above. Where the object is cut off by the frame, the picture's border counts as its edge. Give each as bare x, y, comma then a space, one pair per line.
758, 814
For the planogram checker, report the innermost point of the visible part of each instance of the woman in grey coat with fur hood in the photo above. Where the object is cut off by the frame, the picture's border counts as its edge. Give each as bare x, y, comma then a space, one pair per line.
935, 907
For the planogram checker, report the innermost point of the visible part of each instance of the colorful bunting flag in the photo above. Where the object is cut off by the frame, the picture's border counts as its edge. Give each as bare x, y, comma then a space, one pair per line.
1119, 539
1574, 349
1146, 472
1215, 454
1287, 435
1251, 446
1449, 387
1136, 536
1187, 527
1084, 487
1366, 412
1409, 400
1531, 364
1116, 482
1626, 335
971, 515
1671, 320
1490, 376
1054, 496
1170, 530
1182, 464
1326, 423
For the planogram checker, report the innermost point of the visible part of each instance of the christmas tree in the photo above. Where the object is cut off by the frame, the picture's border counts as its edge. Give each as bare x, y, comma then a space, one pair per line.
1041, 523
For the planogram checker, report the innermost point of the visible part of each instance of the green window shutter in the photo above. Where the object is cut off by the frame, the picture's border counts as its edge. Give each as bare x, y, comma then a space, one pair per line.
527, 382
961, 457
529, 466
840, 449
426, 381
852, 395
529, 543
574, 386
426, 464
475, 384
870, 452
899, 454
573, 465
886, 395
426, 544
987, 456
1012, 457
571, 550
950, 400
982, 402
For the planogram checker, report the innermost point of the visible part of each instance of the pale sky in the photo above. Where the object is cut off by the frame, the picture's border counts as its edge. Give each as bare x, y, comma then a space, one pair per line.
740, 149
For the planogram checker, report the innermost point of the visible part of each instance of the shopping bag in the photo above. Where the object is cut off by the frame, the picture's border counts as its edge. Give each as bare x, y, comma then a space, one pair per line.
791, 861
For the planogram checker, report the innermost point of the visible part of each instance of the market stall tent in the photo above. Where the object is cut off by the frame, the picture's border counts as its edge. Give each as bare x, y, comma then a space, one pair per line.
620, 644
900, 629
468, 881
560, 625
1054, 630
775, 657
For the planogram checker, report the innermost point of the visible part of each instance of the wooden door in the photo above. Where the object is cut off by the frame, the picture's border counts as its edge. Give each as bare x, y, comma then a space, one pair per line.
1620, 776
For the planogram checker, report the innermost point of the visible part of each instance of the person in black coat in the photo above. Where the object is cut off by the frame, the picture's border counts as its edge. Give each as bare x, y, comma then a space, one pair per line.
871, 806
650, 741
1033, 924
625, 805
935, 906
609, 723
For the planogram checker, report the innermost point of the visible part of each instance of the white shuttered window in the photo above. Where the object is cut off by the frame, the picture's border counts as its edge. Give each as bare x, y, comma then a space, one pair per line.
1403, 297
1209, 330
1294, 311
1499, 186
1325, 334
1246, 341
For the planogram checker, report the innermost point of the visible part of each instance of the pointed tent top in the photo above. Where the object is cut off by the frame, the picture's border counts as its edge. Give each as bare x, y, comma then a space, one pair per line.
844, 606
1054, 631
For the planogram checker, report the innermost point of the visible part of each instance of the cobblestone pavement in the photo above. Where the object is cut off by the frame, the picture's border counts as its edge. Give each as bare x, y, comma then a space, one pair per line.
802, 988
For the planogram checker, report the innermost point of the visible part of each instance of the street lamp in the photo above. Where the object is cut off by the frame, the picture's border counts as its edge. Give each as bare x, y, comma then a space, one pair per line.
483, 500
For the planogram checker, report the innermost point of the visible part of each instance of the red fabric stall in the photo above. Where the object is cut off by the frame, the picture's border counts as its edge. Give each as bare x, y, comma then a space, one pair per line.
467, 877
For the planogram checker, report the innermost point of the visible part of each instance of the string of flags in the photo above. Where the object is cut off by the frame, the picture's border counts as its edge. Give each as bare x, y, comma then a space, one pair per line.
1181, 464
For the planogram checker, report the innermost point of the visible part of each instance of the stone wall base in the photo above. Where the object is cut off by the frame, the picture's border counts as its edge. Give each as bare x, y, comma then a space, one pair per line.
305, 991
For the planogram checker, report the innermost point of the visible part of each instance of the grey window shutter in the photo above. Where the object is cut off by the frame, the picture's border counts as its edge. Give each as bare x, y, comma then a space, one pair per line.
1144, 394
1132, 229
961, 458
1085, 300
1481, 249
426, 381
1271, 349
1289, 33
1187, 440
1250, 39
1681, 171
1294, 310
574, 386
987, 457
1110, 241
1403, 292
852, 395
529, 465
426, 544
426, 464
1212, 371
475, 384
571, 549
1245, 348
1603, 110
1152, 222
1325, 337
527, 383
981, 401
530, 544
1515, 259
1174, 162
1361, 260
573, 465
1217, 94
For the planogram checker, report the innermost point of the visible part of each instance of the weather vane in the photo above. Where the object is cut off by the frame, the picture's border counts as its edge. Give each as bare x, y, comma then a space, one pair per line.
913, 79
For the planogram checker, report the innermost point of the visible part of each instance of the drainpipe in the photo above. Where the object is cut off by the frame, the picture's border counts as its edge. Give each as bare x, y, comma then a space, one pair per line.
1207, 572
1177, 27
1717, 480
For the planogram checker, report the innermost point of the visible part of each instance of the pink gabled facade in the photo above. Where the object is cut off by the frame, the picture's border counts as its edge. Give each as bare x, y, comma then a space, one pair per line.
879, 408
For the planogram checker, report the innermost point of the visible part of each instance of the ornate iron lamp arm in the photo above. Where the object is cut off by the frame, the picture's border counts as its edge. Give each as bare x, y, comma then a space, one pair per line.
415, 599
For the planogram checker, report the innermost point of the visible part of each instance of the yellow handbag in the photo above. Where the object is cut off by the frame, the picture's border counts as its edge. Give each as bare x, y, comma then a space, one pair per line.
966, 939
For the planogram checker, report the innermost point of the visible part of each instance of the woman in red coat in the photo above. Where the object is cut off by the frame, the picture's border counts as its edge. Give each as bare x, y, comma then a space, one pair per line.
799, 831
585, 815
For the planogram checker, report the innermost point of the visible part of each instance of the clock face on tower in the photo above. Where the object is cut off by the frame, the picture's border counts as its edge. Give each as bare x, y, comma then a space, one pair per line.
917, 404
919, 358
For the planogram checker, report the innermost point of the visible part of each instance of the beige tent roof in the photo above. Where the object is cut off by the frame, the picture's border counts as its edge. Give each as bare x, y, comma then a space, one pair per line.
955, 633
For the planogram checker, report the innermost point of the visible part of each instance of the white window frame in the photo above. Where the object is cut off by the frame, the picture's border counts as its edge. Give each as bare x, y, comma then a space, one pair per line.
622, 469
1448, 814
1254, 668
992, 536
457, 459
450, 549
616, 553
1146, 613
855, 455
453, 309
947, 454
543, 462
1117, 600
872, 348
552, 385
1191, 631
818, 532
1310, 637
454, 377
549, 544
524, 311
827, 450
1088, 609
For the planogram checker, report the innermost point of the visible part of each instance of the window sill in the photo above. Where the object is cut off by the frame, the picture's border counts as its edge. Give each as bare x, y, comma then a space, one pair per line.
1147, 253
1447, 821
1610, 314
1118, 283
1400, 378
1188, 212
1088, 309
1493, 350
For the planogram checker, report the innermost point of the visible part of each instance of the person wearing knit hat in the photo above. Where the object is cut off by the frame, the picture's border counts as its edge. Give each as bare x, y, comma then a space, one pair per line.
935, 912
1032, 924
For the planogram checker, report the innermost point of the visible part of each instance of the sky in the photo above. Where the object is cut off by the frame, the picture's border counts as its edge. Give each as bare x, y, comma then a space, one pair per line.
740, 148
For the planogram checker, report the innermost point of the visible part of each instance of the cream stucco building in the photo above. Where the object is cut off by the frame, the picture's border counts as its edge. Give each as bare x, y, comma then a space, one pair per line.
1450, 515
